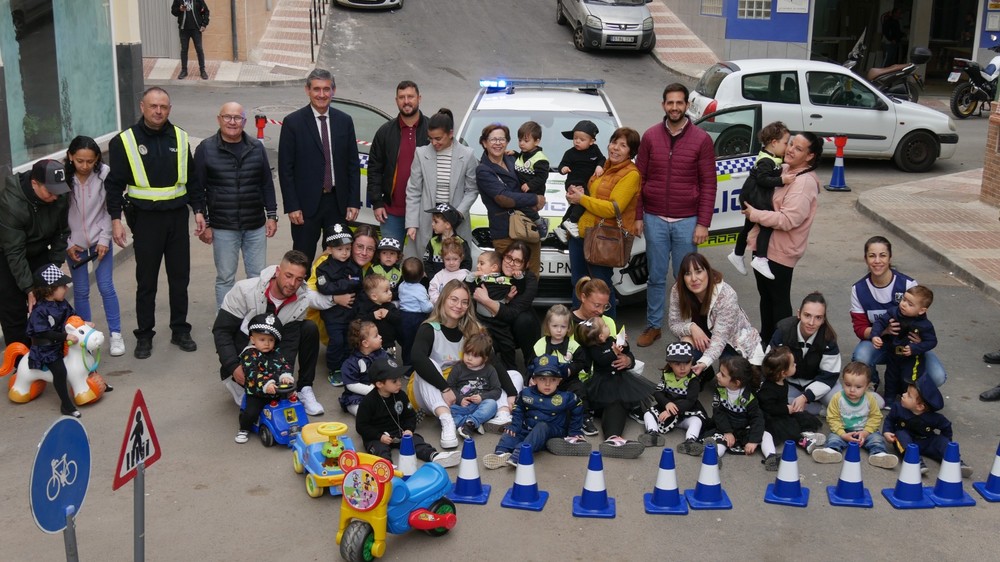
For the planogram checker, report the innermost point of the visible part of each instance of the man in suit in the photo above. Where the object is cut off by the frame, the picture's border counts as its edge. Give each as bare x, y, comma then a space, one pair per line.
318, 166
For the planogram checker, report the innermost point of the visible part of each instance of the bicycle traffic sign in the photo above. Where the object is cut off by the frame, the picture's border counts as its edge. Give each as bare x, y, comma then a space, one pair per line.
139, 445
60, 474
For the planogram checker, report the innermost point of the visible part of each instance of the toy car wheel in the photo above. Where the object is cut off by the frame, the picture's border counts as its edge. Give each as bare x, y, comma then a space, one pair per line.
266, 437
443, 505
312, 487
356, 542
296, 463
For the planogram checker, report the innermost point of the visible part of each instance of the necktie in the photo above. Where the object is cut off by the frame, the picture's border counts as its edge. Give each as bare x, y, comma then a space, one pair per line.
327, 164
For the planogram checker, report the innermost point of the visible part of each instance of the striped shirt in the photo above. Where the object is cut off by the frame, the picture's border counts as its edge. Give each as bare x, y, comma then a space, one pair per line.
442, 192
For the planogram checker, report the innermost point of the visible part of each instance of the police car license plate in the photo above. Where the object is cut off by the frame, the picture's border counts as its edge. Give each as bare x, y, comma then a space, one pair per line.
954, 76
621, 39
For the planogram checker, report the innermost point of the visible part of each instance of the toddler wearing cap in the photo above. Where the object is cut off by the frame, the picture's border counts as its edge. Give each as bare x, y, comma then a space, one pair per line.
579, 163
264, 367
387, 263
337, 275
444, 222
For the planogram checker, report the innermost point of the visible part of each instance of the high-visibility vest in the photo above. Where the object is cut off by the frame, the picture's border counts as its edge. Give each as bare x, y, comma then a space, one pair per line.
142, 189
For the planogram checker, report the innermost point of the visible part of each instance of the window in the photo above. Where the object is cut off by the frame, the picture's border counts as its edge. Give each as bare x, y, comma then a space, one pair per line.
778, 87
711, 7
754, 9
843, 90
712, 79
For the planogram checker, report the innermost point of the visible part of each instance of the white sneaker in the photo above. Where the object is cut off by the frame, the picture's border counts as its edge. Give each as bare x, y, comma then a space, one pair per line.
760, 265
117, 344
827, 456
308, 399
449, 439
572, 229
235, 389
737, 262
494, 461
242, 437
499, 422
883, 460
447, 458
561, 234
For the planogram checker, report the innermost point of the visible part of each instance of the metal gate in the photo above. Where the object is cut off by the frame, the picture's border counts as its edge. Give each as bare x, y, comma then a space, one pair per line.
159, 30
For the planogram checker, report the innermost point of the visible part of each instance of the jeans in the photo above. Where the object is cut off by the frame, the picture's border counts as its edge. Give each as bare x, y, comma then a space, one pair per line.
578, 267
394, 227
874, 443
476, 413
672, 240
192, 35
867, 354
537, 437
105, 284
226, 248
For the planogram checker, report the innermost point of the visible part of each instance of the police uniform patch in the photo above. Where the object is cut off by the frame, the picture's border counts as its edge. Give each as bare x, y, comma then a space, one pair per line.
321, 280
557, 400
528, 399
143, 150
399, 408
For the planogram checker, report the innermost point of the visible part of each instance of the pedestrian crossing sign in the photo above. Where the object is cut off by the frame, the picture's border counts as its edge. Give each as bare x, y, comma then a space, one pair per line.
139, 446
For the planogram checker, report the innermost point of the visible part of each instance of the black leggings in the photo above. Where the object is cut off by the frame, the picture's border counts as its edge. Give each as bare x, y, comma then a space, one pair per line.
775, 299
58, 370
763, 239
613, 418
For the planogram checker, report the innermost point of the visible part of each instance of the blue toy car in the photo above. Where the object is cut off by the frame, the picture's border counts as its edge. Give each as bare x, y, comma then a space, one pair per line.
316, 451
281, 419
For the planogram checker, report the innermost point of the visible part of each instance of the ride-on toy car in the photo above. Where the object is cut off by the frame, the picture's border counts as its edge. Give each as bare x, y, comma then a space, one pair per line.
375, 501
316, 451
281, 419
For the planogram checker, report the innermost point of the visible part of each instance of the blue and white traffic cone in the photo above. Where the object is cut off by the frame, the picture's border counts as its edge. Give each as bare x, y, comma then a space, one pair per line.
837, 182
708, 492
594, 501
524, 494
786, 489
990, 490
850, 491
947, 491
908, 493
407, 457
665, 498
468, 487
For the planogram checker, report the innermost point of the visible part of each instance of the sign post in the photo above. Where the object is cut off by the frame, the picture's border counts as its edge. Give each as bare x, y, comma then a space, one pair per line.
60, 475
140, 448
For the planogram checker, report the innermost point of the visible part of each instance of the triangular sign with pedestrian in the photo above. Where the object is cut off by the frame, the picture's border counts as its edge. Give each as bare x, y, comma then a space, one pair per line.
139, 444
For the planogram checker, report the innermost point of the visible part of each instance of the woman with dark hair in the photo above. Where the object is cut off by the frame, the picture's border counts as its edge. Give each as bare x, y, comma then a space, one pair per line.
501, 191
514, 324
792, 218
705, 311
443, 172
618, 185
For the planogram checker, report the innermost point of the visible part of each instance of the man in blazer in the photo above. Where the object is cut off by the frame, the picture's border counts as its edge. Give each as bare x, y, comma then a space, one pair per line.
318, 190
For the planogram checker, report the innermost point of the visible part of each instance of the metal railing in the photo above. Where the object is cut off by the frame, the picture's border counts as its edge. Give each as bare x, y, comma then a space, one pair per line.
316, 14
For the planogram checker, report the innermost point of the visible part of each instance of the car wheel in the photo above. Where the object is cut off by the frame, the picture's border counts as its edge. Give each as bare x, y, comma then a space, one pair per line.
963, 103
578, 40
356, 542
312, 487
296, 463
440, 507
266, 437
733, 141
560, 16
916, 152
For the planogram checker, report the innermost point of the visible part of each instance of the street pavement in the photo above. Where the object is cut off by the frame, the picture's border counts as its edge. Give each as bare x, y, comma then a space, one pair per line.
211, 499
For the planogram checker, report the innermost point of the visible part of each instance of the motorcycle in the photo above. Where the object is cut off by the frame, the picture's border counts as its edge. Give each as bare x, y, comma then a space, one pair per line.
899, 80
980, 89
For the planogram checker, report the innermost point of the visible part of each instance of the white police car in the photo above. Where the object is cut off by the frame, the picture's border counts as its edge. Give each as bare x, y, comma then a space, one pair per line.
558, 104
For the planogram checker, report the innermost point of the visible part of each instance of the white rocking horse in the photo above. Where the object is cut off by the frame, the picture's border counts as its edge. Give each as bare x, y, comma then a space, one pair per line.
81, 359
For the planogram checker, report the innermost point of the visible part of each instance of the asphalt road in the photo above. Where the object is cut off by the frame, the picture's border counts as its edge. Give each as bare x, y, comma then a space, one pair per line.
208, 498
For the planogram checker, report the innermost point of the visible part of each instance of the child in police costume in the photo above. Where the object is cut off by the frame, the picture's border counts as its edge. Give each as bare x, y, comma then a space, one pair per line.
387, 263
532, 168
677, 403
738, 419
264, 368
337, 275
444, 222
904, 357
915, 419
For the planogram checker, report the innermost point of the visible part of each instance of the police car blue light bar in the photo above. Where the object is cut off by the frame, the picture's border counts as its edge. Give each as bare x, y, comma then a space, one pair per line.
500, 83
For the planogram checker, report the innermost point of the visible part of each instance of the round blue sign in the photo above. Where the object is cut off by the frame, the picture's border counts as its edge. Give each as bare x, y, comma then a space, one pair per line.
60, 474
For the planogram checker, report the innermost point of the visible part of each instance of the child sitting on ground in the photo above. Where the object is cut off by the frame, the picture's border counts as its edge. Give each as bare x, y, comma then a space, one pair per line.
855, 417
758, 192
544, 417
915, 419
781, 421
414, 304
676, 402
337, 275
904, 356
583, 160
364, 339
736, 413
377, 307
387, 256
264, 368
444, 222
476, 386
385, 416
532, 169
452, 256
556, 341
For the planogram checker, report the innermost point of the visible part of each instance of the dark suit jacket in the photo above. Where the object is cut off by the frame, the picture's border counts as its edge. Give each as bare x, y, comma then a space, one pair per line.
300, 163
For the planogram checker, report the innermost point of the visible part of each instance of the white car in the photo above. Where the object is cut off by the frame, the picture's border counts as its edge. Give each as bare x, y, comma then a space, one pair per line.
830, 100
557, 105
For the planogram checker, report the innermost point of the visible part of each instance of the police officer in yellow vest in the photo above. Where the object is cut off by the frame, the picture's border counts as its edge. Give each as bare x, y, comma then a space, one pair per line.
150, 180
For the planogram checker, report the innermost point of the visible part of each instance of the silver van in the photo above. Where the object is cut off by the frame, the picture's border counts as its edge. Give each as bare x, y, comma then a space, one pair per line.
608, 24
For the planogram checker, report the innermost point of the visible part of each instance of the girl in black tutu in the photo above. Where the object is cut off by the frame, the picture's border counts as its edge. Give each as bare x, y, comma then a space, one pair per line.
612, 386
780, 421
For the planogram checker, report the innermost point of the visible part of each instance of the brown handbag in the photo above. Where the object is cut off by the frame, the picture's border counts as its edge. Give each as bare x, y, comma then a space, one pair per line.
522, 228
608, 245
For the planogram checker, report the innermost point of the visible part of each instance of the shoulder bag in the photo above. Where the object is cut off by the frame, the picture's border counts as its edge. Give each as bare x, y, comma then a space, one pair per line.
608, 245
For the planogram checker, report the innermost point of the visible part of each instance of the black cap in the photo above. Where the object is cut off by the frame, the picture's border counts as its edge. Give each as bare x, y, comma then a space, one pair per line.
389, 243
339, 235
51, 174
49, 275
584, 127
929, 393
450, 214
386, 368
266, 324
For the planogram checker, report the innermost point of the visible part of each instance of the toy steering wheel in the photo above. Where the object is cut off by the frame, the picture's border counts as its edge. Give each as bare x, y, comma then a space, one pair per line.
332, 429
285, 389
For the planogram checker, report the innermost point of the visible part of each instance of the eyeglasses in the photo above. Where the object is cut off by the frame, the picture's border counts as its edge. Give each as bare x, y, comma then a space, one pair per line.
513, 260
606, 307
500, 140
232, 118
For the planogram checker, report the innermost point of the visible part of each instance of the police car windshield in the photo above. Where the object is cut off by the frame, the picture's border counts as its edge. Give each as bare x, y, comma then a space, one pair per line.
553, 124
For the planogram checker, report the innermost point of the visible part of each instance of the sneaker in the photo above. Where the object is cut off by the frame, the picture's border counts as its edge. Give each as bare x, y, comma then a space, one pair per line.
494, 461
235, 389
561, 234
481, 430
309, 402
335, 378
204, 75
571, 228
923, 467
70, 411
737, 262
117, 344
499, 423
883, 460
651, 438
466, 430
182, 74
810, 443
143, 348
543, 228
242, 436
820, 438
771, 463
648, 336
449, 438
691, 447
761, 265
512, 461
447, 458
616, 447
966, 469
589, 429
569, 446
635, 414
827, 455
184, 341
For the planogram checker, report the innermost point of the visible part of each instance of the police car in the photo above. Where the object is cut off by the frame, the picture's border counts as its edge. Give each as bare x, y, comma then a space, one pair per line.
558, 104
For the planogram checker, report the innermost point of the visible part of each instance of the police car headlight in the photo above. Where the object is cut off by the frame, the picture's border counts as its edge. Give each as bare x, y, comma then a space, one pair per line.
647, 24
593, 22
